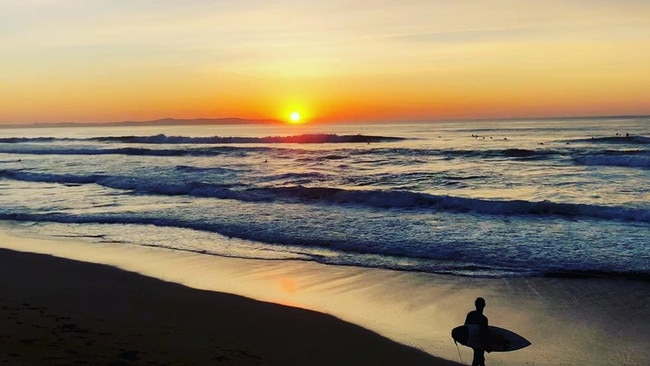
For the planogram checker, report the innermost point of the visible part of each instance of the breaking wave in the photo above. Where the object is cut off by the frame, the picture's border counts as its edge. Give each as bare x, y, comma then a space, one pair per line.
326, 195
634, 140
164, 139
431, 259
517, 154
633, 159
134, 151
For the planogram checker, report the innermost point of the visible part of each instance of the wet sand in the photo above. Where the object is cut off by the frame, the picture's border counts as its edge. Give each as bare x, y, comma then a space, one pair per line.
569, 321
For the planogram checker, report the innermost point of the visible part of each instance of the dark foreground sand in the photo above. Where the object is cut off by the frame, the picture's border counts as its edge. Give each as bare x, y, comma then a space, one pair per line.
57, 311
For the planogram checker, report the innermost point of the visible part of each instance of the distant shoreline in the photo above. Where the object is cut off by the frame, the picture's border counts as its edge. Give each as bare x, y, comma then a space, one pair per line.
157, 122
246, 121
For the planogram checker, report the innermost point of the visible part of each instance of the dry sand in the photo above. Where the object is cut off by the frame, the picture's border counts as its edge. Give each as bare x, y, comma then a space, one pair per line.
569, 321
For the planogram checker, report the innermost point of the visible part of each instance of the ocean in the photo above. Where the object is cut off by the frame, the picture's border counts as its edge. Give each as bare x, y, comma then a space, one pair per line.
498, 199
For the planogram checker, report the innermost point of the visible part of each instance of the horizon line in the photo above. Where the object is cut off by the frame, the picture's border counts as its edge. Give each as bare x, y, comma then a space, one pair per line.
240, 120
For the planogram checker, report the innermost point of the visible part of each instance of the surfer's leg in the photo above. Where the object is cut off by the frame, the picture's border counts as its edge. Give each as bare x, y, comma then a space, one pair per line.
479, 357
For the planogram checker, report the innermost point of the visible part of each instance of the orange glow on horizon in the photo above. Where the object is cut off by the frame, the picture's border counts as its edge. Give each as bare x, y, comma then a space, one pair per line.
425, 61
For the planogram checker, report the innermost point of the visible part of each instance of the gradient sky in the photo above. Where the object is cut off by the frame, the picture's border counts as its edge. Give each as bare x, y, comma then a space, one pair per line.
339, 60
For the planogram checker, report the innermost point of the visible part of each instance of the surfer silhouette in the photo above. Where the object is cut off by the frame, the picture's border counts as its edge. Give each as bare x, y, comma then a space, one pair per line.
477, 317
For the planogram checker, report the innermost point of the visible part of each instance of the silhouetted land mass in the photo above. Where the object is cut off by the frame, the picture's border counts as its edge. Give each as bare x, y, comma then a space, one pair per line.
156, 122
243, 121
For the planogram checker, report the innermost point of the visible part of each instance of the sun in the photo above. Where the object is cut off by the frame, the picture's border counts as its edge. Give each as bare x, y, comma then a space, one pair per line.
294, 113
295, 117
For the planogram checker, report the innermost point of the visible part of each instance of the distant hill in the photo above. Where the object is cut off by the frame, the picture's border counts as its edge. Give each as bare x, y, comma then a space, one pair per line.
157, 122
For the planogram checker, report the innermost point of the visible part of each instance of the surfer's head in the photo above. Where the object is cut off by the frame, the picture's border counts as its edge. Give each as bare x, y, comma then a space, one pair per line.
479, 303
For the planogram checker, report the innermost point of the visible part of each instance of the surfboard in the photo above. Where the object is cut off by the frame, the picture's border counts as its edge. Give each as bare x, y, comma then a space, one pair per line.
500, 340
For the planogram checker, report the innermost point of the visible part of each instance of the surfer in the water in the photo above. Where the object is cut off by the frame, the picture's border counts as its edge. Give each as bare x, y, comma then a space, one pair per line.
477, 317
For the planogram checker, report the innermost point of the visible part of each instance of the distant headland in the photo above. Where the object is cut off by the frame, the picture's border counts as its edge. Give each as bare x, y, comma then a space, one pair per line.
251, 121
156, 122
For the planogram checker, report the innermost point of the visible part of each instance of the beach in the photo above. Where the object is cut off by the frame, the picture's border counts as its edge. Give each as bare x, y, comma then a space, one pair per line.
177, 310
55, 311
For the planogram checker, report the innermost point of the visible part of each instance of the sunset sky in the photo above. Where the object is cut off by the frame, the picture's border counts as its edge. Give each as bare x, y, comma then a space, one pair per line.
336, 60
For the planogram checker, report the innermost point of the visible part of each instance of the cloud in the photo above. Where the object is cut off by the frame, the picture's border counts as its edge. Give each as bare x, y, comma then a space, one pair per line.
469, 36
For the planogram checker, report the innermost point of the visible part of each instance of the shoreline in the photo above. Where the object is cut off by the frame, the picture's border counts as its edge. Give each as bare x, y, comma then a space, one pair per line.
569, 321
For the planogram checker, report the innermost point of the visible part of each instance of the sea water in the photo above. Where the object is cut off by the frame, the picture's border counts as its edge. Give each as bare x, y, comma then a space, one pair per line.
567, 197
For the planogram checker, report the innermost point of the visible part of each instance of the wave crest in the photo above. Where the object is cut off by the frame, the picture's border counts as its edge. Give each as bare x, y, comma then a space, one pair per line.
636, 140
164, 139
633, 159
326, 195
